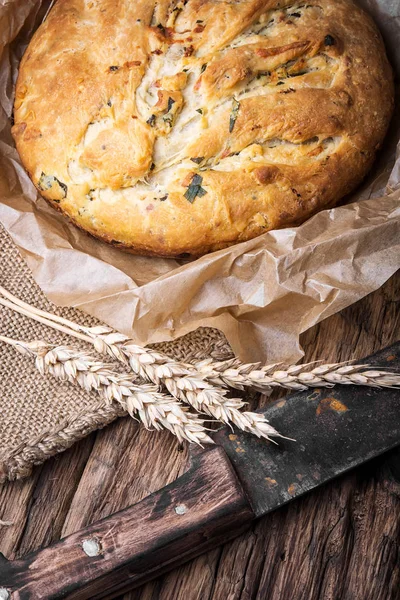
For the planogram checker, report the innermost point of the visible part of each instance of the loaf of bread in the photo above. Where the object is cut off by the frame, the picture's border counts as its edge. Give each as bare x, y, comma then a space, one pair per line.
181, 127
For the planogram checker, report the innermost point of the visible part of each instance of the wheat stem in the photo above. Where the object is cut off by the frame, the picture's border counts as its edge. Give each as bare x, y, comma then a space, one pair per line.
37, 315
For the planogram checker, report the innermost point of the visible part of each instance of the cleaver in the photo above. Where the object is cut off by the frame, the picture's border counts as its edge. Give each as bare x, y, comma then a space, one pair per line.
227, 486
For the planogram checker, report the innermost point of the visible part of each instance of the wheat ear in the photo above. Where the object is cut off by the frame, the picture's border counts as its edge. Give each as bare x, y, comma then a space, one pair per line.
234, 374
182, 381
154, 409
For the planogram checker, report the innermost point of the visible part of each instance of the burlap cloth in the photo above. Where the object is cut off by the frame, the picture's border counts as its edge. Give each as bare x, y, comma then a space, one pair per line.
39, 416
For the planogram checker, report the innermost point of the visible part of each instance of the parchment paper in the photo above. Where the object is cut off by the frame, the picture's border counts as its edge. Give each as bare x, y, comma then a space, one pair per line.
262, 293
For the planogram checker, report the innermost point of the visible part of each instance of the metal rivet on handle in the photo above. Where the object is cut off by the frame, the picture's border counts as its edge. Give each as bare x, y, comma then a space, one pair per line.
4, 594
180, 509
90, 547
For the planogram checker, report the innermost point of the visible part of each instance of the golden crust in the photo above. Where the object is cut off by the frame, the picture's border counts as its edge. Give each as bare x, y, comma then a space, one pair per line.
175, 127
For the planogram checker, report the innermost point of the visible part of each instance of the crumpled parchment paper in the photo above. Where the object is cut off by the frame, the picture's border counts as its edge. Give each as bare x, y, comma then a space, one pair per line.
262, 293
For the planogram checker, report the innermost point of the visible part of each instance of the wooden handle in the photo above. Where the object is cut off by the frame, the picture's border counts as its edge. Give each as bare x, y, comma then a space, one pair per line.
200, 510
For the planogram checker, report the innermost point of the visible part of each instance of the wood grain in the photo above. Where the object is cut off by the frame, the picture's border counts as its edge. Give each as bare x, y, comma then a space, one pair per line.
341, 542
204, 507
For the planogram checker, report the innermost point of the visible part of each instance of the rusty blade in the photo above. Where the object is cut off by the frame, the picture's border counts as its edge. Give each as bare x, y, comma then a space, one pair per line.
335, 430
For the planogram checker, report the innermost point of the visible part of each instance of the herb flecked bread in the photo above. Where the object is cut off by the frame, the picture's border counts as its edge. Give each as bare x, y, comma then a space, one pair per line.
183, 127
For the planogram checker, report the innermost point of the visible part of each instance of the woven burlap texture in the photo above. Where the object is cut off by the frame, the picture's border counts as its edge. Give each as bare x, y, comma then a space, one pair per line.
39, 416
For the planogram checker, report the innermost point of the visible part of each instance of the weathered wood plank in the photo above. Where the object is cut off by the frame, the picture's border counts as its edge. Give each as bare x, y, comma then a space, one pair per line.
127, 463
339, 543
16, 500
54, 491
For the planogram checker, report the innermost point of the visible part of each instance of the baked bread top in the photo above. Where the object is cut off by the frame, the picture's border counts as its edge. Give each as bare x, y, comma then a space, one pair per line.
172, 127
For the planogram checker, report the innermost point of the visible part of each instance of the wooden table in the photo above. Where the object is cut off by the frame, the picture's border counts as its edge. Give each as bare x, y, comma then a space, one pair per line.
341, 542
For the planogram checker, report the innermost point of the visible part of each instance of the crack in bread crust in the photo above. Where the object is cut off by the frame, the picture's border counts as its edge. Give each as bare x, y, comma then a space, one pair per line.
184, 126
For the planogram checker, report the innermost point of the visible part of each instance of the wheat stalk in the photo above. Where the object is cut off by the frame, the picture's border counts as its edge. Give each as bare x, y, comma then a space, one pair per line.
181, 380
234, 374
231, 373
154, 409
203, 385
